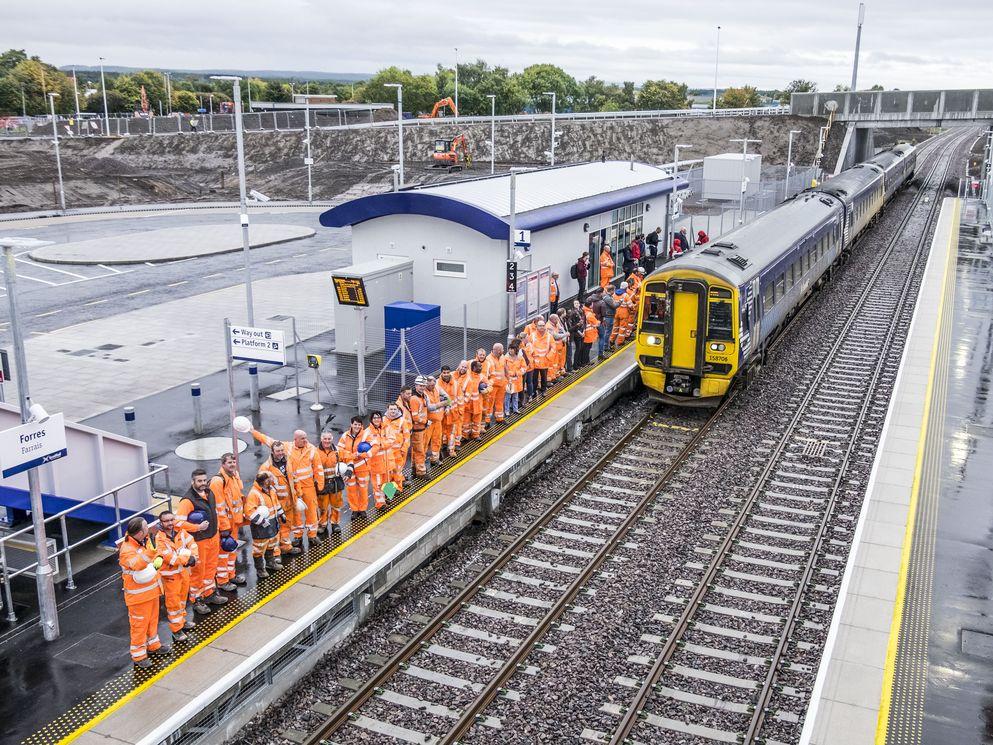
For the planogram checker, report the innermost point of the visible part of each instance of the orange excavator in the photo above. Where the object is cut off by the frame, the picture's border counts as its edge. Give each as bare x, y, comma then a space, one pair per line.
452, 154
439, 107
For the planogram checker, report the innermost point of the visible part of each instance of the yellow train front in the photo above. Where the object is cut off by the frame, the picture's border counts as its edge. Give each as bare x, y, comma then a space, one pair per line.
688, 333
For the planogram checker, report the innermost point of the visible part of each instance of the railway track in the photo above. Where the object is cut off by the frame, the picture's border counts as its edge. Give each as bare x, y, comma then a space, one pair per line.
725, 669
434, 687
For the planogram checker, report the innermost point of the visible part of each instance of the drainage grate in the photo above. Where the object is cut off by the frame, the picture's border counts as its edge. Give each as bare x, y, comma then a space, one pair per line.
814, 448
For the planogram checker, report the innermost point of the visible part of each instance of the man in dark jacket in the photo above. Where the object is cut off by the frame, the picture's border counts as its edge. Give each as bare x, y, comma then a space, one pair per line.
683, 241
576, 324
628, 259
582, 268
599, 310
652, 250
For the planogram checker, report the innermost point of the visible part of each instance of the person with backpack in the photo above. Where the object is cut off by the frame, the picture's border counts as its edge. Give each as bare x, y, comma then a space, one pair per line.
579, 272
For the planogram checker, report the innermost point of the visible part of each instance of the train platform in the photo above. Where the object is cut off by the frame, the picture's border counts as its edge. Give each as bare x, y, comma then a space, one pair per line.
910, 649
82, 688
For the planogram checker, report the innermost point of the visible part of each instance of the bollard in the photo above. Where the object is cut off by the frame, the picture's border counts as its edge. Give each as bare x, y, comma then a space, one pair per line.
195, 393
129, 414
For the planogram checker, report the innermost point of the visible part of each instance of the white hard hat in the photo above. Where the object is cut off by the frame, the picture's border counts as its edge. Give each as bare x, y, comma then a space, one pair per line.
420, 380
301, 505
262, 512
242, 424
144, 576
343, 469
624, 285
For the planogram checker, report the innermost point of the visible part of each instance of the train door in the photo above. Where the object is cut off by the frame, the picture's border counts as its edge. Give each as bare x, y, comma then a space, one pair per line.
688, 300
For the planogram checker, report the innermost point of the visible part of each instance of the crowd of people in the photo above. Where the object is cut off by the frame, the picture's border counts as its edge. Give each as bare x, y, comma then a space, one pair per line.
189, 557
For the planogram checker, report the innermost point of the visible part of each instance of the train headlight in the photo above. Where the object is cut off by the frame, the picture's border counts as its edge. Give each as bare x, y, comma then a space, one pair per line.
717, 347
654, 340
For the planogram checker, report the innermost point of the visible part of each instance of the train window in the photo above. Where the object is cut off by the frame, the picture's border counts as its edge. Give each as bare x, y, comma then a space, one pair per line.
719, 321
653, 311
791, 276
780, 286
768, 298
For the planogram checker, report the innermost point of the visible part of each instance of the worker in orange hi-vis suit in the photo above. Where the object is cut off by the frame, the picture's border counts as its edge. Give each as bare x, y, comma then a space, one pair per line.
305, 471
622, 313
331, 499
395, 435
496, 380
515, 367
378, 456
451, 423
403, 401
229, 496
438, 404
419, 431
356, 484
487, 395
606, 265
197, 515
542, 351
291, 526
636, 277
264, 513
139, 570
473, 388
559, 334
179, 555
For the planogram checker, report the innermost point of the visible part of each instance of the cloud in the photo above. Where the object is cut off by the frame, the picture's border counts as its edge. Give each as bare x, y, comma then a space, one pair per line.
762, 43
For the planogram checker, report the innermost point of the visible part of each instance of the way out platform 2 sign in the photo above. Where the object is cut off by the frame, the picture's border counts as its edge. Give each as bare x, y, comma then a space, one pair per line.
31, 445
257, 345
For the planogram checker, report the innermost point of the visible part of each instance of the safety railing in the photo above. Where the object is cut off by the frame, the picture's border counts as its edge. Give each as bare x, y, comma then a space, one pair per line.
7, 573
293, 121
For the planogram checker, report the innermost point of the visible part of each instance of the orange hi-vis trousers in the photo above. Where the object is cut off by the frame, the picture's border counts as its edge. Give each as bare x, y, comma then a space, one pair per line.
144, 621
226, 560
418, 449
435, 427
329, 508
202, 574
177, 588
494, 402
358, 490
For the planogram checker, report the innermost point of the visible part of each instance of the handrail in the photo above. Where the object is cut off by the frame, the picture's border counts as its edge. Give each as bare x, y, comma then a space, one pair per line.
6, 574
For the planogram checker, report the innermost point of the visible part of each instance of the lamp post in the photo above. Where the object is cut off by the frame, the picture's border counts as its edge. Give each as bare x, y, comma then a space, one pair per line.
168, 82
456, 82
789, 160
308, 159
75, 93
551, 152
492, 98
858, 43
744, 180
717, 57
106, 111
24, 106
44, 577
399, 87
243, 208
58, 157
675, 169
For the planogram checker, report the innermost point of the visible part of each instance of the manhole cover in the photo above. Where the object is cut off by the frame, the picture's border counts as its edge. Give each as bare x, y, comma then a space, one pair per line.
208, 448
977, 644
95, 650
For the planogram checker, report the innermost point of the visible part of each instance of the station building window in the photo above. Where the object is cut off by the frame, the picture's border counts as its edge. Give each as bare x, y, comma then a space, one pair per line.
625, 224
443, 268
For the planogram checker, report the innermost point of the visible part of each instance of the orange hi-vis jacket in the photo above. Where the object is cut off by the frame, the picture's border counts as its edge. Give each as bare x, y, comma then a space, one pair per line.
590, 334
470, 392
348, 451
452, 389
433, 396
378, 457
494, 372
329, 462
515, 367
634, 281
394, 436
280, 482
176, 551
606, 265
542, 347
259, 498
418, 412
553, 290
228, 494
133, 557
305, 470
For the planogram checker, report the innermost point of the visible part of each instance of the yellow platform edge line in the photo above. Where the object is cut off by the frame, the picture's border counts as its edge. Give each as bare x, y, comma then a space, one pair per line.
128, 697
889, 668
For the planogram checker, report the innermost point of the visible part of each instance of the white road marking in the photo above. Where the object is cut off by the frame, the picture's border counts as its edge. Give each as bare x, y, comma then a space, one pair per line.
139, 292
97, 302
51, 268
110, 269
177, 284
49, 313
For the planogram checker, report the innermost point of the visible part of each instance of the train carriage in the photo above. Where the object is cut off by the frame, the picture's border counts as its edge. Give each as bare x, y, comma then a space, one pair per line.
708, 316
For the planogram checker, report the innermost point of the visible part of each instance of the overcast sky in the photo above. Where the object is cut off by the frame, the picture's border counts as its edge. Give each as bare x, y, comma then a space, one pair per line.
765, 43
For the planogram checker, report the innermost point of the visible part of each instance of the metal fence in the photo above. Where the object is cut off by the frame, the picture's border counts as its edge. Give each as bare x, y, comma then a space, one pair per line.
324, 119
113, 531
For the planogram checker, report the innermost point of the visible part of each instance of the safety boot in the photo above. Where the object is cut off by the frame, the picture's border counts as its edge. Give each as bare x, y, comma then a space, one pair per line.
143, 664
163, 650
179, 636
240, 579
269, 561
260, 568
228, 587
200, 607
216, 599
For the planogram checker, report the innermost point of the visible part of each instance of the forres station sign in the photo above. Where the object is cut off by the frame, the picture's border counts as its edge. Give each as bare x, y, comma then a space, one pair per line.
31, 445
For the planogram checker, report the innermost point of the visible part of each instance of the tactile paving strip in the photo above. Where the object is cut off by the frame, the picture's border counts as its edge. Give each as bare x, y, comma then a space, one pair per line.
906, 715
247, 598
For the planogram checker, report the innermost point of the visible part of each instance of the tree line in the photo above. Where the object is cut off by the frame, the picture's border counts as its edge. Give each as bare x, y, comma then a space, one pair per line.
25, 82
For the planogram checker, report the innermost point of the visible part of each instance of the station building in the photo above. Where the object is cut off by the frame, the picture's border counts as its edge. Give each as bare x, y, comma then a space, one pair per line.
457, 234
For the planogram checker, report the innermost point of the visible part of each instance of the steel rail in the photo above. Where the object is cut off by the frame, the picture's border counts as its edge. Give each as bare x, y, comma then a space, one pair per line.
372, 686
631, 715
768, 685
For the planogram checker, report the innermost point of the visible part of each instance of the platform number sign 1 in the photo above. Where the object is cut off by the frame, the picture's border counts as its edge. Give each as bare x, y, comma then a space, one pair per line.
512, 277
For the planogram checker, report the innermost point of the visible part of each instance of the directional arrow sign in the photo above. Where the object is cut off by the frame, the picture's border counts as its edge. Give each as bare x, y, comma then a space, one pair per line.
257, 345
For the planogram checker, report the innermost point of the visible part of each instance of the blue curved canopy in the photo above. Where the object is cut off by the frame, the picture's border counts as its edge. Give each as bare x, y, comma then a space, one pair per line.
414, 202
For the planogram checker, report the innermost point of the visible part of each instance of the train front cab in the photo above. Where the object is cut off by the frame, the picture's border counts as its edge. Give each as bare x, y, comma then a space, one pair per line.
687, 332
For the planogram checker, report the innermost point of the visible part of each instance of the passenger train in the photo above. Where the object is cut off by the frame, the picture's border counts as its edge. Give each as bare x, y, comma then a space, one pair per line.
708, 316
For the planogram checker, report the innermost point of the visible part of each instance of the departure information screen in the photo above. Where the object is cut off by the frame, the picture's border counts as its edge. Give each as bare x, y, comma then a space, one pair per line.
350, 291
